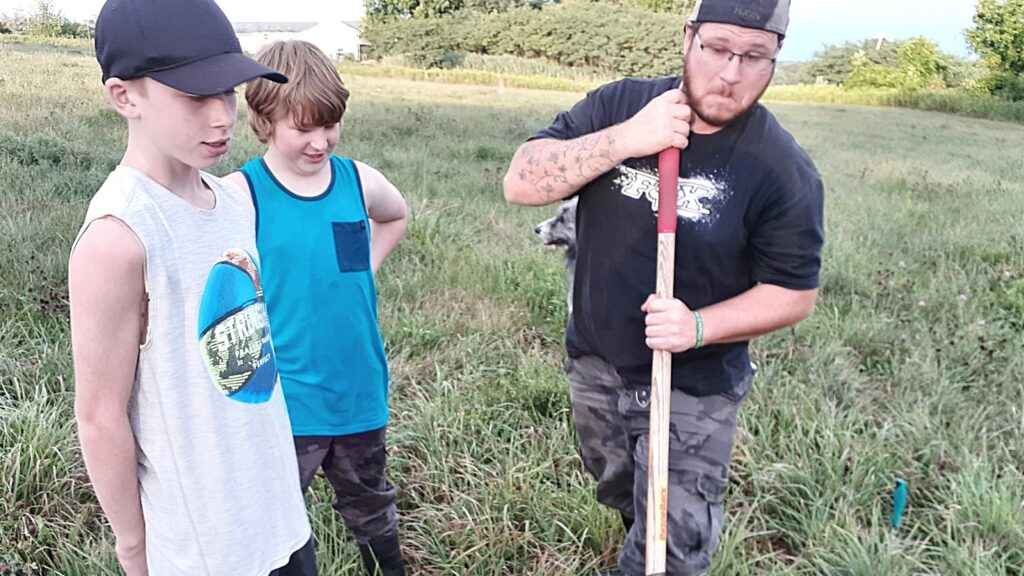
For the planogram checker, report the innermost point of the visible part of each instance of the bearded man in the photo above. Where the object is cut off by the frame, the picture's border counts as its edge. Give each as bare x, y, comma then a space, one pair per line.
748, 257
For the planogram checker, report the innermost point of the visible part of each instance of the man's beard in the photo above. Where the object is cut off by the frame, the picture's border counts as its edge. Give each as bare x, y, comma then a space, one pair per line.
720, 119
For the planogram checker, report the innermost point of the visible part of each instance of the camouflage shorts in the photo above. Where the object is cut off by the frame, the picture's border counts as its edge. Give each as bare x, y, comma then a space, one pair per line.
612, 422
354, 465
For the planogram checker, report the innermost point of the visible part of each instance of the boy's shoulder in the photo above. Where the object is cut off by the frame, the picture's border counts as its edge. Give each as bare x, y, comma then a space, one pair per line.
378, 192
364, 170
107, 241
120, 192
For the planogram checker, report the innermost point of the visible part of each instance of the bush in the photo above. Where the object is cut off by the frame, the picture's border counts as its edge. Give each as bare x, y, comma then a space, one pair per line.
383, 10
424, 42
989, 77
48, 22
964, 74
868, 75
75, 30
617, 40
921, 66
1008, 87
833, 64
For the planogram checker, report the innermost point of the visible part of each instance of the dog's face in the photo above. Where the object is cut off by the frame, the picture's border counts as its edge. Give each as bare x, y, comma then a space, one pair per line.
560, 229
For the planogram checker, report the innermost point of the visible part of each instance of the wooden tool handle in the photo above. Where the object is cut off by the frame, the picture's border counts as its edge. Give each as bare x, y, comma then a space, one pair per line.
661, 371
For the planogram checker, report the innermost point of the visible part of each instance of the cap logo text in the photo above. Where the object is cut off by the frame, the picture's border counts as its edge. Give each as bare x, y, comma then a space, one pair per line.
747, 14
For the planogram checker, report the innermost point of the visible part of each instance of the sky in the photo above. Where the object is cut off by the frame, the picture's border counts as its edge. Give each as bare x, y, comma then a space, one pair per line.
813, 23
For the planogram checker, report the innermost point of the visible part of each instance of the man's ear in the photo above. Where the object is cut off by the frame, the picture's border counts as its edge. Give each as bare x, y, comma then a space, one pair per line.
688, 37
122, 94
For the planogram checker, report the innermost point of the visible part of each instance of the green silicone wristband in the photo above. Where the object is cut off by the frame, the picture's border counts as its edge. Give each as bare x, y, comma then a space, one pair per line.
700, 330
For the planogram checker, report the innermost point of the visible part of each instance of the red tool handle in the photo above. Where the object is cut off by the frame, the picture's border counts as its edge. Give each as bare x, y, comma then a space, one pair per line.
668, 189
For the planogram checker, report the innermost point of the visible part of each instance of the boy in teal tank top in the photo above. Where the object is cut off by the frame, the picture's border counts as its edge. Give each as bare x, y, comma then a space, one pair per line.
315, 217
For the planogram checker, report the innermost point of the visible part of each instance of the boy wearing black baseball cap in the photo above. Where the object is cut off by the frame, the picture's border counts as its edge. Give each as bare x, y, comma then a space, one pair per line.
181, 419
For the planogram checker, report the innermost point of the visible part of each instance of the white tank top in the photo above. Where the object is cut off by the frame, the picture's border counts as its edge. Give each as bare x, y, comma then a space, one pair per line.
216, 461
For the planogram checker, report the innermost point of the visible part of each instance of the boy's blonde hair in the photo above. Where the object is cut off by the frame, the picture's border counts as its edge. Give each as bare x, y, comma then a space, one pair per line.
314, 95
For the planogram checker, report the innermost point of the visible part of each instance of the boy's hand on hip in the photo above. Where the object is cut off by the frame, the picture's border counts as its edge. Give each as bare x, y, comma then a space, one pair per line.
671, 325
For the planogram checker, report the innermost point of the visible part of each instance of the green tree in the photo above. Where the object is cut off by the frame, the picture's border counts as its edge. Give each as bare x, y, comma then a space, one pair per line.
46, 21
921, 65
834, 63
998, 35
496, 6
383, 10
391, 9
965, 74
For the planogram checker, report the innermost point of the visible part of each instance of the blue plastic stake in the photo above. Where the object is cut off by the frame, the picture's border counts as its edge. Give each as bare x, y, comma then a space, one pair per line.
899, 502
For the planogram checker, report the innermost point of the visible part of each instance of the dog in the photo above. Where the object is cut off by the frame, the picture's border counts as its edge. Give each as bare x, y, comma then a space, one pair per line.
559, 231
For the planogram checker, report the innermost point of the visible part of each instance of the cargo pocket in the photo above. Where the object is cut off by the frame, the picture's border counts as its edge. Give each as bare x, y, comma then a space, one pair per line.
351, 246
695, 521
712, 489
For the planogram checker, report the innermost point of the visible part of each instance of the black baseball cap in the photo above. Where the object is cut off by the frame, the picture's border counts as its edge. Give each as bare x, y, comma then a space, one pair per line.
770, 15
188, 45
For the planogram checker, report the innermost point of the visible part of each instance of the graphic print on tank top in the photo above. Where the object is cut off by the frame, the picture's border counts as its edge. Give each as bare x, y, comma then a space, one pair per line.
234, 333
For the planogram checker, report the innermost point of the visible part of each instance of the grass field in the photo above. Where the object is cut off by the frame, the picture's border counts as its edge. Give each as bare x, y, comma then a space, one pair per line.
911, 367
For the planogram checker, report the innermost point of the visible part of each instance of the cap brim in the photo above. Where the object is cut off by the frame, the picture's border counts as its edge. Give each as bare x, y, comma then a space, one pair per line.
216, 74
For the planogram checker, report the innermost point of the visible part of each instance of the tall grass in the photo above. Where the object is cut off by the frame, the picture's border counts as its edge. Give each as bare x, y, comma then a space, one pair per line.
516, 65
484, 77
911, 367
27, 42
950, 101
524, 73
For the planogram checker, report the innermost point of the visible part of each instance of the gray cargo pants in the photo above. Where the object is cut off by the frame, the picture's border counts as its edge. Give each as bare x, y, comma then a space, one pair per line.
612, 422
354, 464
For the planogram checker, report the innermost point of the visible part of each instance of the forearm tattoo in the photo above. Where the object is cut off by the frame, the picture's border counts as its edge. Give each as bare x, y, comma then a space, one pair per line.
557, 168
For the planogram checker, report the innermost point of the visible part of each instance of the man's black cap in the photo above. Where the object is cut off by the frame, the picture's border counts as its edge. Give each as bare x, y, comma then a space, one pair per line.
188, 45
770, 15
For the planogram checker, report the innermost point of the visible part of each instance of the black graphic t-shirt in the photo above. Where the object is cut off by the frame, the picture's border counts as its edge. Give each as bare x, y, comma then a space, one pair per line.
749, 211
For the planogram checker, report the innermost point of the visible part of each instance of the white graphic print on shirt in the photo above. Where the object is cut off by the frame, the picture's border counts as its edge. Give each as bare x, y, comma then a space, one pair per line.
696, 201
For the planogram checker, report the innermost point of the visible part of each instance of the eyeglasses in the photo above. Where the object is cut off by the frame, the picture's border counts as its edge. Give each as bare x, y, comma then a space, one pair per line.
718, 56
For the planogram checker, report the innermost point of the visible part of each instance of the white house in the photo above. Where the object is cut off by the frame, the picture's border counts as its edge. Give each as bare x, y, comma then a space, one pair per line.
336, 38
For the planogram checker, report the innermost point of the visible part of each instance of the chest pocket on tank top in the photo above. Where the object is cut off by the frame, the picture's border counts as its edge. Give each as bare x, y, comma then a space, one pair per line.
351, 246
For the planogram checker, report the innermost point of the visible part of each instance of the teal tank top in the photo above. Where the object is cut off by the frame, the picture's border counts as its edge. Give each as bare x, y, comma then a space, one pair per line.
322, 301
